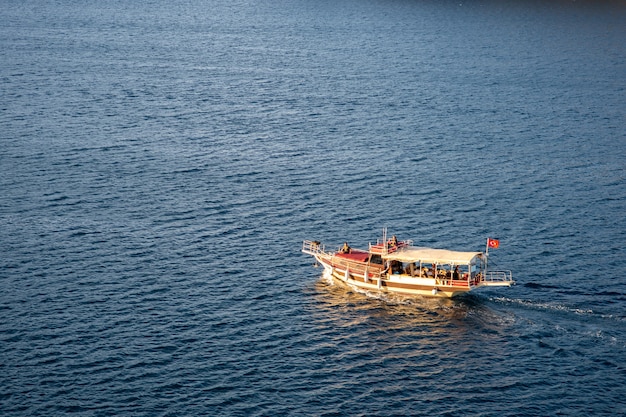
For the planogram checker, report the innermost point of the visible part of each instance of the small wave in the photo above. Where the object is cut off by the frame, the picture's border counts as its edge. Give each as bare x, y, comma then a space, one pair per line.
541, 306
536, 285
610, 294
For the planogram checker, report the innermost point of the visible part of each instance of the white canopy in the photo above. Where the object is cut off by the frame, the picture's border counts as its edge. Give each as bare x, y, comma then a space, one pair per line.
430, 255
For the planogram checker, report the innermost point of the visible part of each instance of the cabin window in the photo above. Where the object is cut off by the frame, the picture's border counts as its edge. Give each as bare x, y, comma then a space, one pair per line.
410, 268
444, 270
462, 272
396, 267
376, 259
475, 269
427, 270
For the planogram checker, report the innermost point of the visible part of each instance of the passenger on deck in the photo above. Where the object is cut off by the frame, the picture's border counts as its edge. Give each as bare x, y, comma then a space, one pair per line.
394, 241
456, 274
345, 248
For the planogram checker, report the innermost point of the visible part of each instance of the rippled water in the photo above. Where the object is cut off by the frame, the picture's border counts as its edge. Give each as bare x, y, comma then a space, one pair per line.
161, 163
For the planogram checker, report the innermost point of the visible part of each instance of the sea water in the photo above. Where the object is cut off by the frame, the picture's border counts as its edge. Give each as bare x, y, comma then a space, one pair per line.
162, 161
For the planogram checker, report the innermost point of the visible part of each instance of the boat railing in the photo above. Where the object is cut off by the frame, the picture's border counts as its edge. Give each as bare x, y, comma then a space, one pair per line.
357, 267
313, 247
379, 247
498, 277
406, 242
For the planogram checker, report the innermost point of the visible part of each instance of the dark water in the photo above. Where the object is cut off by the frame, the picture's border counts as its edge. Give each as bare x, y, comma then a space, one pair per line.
161, 162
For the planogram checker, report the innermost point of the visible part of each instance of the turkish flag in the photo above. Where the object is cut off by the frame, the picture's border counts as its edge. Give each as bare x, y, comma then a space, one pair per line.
493, 243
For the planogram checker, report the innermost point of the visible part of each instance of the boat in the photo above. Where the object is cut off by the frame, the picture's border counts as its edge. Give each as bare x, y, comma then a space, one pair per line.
398, 267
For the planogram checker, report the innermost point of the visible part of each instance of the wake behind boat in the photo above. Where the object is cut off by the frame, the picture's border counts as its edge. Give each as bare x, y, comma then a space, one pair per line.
399, 267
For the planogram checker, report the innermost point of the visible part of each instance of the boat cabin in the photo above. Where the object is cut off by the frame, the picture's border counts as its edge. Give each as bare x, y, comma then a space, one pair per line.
435, 263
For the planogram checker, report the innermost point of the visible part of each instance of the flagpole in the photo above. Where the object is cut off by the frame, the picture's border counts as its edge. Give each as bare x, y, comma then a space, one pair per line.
486, 256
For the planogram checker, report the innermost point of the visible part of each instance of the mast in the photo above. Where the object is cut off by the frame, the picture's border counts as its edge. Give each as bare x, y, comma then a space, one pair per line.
384, 241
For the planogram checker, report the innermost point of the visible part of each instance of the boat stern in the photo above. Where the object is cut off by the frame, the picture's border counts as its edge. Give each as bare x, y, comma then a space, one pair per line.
497, 279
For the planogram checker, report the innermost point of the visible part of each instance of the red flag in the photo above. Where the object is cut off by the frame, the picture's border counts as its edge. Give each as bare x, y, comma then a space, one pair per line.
493, 243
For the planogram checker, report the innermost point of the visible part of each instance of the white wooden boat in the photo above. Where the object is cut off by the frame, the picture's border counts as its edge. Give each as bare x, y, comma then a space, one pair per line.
399, 267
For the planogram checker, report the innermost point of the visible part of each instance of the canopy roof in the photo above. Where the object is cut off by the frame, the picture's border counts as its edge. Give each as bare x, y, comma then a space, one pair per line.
430, 255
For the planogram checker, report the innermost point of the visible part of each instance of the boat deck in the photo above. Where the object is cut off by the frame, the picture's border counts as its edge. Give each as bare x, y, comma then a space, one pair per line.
354, 255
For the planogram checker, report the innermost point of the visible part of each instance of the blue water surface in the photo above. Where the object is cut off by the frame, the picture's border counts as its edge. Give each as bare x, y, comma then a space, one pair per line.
162, 161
